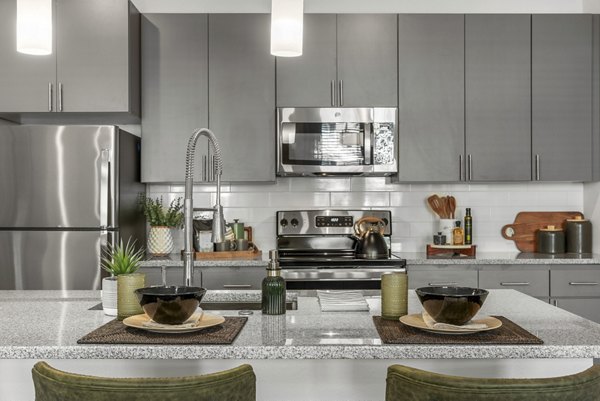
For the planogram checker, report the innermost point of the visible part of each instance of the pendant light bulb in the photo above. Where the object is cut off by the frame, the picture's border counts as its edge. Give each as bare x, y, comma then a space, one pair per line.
286, 27
34, 27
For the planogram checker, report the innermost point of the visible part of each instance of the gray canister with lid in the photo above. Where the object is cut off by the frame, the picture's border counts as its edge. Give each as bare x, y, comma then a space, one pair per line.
579, 235
550, 240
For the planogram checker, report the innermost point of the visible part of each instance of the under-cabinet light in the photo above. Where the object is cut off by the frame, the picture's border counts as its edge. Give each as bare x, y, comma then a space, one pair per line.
34, 27
286, 27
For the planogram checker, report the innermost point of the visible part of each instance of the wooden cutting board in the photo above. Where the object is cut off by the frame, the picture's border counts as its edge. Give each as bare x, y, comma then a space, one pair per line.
522, 231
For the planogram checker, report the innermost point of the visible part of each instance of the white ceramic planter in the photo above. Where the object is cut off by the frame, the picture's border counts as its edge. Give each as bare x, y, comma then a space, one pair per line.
109, 296
160, 241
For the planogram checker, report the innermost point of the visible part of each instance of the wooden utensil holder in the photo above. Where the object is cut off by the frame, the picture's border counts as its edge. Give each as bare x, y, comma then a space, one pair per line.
451, 251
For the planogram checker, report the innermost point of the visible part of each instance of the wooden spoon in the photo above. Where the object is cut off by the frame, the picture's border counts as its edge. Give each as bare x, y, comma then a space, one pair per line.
435, 203
452, 205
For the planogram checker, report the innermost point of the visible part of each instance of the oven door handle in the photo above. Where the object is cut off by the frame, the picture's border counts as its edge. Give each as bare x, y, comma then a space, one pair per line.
337, 274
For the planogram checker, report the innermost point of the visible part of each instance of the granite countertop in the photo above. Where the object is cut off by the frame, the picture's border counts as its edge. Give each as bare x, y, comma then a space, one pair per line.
412, 258
47, 324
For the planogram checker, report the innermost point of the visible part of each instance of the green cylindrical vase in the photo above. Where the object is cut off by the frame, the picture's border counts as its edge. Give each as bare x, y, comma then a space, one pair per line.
127, 301
394, 295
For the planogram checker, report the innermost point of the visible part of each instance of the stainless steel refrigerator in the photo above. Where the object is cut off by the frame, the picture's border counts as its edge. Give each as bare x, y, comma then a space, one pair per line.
65, 193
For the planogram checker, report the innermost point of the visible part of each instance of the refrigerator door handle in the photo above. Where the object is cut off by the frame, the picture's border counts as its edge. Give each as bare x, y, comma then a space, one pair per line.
104, 172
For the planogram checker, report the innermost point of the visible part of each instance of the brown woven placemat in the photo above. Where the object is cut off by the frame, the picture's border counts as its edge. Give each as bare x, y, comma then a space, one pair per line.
395, 332
115, 332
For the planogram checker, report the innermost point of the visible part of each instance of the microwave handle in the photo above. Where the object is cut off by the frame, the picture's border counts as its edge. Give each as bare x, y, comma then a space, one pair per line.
368, 143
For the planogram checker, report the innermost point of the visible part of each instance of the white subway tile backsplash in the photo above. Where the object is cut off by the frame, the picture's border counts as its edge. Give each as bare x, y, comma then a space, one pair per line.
493, 204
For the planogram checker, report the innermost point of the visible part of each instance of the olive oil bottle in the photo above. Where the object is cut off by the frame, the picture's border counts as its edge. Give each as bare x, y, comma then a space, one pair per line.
468, 227
273, 287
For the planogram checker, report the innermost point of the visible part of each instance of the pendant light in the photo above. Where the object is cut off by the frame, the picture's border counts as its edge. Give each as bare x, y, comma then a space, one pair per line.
286, 27
34, 27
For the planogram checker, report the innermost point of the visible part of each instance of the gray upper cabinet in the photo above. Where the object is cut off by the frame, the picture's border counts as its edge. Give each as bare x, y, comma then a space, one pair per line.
431, 97
93, 68
348, 60
25, 80
175, 96
310, 80
497, 97
242, 95
562, 97
367, 60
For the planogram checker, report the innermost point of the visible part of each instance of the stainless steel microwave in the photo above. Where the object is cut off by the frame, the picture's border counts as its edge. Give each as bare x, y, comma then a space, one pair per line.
337, 141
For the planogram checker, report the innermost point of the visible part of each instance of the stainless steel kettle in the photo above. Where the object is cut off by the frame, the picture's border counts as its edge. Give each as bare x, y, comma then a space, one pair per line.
370, 240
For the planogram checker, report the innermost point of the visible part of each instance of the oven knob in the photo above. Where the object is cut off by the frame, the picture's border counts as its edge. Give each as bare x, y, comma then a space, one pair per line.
294, 222
283, 222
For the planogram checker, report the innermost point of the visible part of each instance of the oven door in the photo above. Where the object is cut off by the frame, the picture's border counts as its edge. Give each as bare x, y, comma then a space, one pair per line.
335, 279
336, 141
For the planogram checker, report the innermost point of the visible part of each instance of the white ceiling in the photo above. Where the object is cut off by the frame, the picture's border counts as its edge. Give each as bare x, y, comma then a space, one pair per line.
374, 6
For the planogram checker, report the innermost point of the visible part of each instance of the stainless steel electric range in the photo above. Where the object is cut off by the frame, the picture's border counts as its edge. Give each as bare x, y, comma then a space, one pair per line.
317, 250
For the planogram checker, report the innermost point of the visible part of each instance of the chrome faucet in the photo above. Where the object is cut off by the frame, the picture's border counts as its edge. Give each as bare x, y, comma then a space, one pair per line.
218, 229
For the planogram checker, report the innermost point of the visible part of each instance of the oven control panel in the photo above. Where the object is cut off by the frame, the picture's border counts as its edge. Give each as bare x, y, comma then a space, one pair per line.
327, 222
334, 221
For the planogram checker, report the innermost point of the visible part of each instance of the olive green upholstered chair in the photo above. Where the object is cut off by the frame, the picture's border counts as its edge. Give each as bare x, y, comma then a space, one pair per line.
238, 384
408, 384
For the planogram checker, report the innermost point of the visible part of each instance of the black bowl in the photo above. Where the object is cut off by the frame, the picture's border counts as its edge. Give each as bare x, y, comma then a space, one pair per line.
453, 305
170, 305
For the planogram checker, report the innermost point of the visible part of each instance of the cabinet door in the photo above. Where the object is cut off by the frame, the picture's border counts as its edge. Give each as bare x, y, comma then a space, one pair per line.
431, 97
309, 80
443, 276
497, 97
93, 54
175, 96
367, 60
242, 95
233, 278
588, 308
532, 282
25, 81
574, 282
561, 89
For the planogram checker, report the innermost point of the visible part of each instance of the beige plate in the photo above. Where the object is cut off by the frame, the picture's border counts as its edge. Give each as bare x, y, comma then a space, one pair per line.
207, 320
416, 320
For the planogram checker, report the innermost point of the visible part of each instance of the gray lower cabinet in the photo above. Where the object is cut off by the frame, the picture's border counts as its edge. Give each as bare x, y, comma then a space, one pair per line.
441, 275
497, 97
94, 66
561, 92
522, 278
588, 308
175, 96
431, 97
241, 95
348, 60
233, 278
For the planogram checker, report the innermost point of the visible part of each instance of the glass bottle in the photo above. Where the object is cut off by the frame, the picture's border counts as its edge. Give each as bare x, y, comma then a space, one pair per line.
273, 287
468, 227
458, 235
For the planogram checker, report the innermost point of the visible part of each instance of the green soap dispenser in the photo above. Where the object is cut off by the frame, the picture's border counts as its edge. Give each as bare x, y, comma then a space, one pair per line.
273, 287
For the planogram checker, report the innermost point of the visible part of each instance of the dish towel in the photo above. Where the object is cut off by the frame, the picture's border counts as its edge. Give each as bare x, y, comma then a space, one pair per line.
469, 326
342, 301
188, 324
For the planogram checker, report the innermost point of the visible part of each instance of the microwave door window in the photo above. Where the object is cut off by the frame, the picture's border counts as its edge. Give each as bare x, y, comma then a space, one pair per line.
326, 144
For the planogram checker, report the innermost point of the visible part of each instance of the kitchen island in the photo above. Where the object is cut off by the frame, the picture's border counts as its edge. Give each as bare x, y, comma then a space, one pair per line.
305, 354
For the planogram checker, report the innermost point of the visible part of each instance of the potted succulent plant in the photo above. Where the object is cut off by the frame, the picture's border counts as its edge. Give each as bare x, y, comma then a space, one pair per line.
161, 219
122, 262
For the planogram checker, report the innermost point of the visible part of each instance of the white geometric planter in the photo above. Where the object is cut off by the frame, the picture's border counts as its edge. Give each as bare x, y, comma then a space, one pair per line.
109, 296
160, 241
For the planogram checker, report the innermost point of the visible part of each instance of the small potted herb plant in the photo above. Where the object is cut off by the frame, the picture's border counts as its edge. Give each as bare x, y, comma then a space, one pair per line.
161, 219
122, 262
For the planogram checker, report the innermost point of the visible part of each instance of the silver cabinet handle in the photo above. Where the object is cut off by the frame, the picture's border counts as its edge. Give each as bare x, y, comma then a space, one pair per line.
163, 275
341, 92
537, 167
448, 284
470, 167
237, 285
582, 283
49, 96
515, 284
333, 92
204, 168
60, 96
213, 167
460, 163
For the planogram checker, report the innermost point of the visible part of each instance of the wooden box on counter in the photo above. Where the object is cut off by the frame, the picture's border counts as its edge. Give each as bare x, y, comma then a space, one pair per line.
451, 251
251, 254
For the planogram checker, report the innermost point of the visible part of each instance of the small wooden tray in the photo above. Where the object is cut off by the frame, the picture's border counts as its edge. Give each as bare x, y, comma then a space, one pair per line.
451, 251
252, 254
